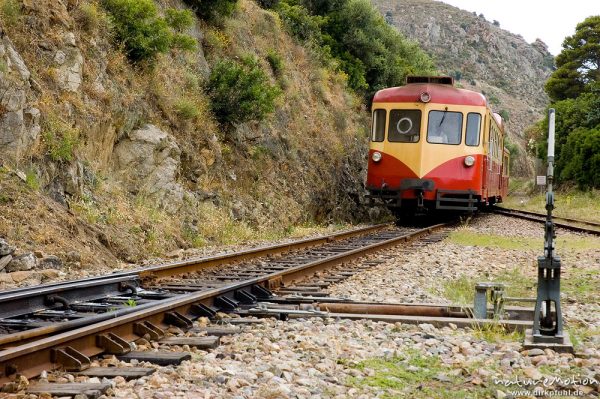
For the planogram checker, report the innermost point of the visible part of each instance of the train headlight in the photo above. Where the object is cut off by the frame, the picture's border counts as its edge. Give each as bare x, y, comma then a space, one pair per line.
425, 97
376, 157
469, 160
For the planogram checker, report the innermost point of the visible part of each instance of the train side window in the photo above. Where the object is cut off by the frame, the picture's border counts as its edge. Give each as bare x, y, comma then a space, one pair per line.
378, 131
444, 127
405, 125
473, 129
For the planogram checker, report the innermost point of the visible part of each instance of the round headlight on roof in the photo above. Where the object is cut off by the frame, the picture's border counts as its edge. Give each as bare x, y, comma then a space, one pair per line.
469, 160
376, 157
425, 97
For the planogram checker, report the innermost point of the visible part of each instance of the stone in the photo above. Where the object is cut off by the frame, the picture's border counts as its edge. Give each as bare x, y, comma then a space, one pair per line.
21, 175
532, 372
23, 262
148, 161
50, 262
5, 248
73, 257
49, 274
539, 360
21, 276
19, 128
70, 69
533, 352
5, 260
69, 39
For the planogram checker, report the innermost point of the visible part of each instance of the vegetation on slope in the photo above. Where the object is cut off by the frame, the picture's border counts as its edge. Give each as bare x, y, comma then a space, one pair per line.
574, 89
353, 35
260, 131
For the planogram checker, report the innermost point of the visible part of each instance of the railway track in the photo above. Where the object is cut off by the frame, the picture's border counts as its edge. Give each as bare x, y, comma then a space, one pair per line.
577, 225
63, 325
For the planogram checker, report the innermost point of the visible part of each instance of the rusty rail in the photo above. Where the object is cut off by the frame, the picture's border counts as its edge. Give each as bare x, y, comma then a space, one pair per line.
71, 349
594, 228
14, 302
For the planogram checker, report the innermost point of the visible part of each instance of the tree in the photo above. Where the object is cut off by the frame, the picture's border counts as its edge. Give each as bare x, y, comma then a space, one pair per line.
578, 64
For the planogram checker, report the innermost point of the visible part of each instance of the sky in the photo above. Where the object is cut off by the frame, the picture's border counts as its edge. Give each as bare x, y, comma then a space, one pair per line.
549, 20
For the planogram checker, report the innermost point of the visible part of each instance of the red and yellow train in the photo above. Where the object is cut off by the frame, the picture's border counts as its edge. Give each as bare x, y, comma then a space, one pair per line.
435, 147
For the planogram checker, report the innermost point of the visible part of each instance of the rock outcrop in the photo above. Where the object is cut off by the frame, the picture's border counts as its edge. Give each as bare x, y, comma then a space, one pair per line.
19, 121
148, 162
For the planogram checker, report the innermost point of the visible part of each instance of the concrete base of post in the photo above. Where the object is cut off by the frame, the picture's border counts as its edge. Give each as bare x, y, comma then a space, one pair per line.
557, 344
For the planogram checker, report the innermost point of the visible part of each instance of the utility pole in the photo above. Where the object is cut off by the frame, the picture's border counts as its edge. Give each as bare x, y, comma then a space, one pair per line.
548, 329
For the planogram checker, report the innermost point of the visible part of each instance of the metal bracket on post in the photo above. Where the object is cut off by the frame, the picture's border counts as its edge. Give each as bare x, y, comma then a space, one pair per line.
548, 329
496, 291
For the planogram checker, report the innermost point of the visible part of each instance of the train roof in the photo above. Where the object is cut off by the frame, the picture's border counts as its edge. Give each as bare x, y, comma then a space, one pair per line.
440, 94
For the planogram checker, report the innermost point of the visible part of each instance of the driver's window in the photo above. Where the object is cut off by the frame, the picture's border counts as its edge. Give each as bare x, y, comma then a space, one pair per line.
404, 125
444, 127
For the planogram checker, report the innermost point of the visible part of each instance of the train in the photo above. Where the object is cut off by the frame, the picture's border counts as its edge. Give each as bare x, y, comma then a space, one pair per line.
435, 148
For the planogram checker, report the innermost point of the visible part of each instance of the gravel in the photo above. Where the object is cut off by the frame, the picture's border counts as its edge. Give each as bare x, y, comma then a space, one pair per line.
329, 358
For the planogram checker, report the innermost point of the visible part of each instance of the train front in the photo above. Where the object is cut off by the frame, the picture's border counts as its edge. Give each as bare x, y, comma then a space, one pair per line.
426, 150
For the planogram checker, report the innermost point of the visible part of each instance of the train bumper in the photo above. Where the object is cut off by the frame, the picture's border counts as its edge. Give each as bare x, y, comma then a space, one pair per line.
416, 193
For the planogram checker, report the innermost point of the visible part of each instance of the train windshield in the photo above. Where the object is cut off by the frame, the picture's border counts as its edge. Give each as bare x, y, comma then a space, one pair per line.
405, 125
444, 127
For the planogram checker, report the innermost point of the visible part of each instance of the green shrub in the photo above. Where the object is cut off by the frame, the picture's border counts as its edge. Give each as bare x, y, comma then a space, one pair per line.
300, 23
88, 16
504, 114
10, 10
240, 91
179, 19
143, 33
213, 10
60, 139
31, 180
187, 109
276, 62
268, 4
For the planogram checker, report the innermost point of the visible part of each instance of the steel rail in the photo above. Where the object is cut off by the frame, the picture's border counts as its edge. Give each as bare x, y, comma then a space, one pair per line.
31, 358
541, 218
31, 299
572, 220
192, 264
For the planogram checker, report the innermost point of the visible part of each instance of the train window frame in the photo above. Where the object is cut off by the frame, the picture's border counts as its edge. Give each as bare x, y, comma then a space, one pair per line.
374, 125
462, 127
399, 134
478, 130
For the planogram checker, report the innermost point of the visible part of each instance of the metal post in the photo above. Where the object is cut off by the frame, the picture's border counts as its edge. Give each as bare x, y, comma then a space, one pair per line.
548, 323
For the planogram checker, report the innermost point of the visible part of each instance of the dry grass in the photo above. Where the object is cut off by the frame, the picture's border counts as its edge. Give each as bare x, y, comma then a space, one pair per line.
570, 203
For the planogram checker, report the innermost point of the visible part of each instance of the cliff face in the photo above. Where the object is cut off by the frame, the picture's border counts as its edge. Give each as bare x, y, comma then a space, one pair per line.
114, 162
482, 57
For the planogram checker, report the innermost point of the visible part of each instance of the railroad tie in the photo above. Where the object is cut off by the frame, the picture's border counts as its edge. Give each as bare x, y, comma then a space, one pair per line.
217, 331
129, 373
209, 342
161, 358
92, 391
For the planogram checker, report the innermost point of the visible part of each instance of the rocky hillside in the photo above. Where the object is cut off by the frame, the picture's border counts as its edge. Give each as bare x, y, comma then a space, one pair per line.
103, 161
481, 56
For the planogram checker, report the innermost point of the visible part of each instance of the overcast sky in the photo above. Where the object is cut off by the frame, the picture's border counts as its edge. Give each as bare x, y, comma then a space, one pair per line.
549, 20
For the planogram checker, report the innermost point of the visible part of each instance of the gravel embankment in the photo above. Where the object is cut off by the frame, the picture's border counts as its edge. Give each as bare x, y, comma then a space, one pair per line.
330, 358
